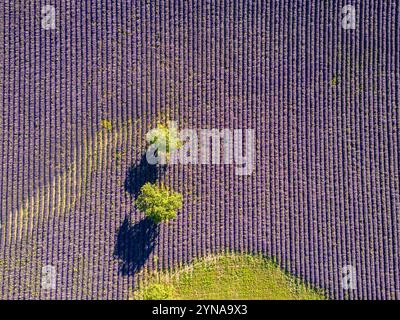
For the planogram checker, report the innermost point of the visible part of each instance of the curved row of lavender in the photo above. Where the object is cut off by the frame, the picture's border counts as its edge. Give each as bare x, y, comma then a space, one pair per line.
324, 102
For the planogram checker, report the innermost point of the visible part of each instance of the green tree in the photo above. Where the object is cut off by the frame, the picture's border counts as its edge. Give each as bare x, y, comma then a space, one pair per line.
164, 139
158, 203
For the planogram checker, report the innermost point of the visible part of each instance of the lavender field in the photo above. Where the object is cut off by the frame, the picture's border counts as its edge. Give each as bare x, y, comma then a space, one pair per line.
323, 100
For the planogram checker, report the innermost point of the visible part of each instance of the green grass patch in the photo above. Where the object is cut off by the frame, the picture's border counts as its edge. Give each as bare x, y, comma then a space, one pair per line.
334, 81
227, 276
106, 124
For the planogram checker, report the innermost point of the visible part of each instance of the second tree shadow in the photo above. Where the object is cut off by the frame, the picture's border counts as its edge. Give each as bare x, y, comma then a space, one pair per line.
134, 244
141, 173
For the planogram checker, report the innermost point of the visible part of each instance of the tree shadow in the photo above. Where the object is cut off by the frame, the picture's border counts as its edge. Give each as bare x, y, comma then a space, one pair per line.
134, 244
141, 173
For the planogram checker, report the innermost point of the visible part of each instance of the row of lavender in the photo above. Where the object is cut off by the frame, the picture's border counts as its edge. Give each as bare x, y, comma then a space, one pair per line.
324, 102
